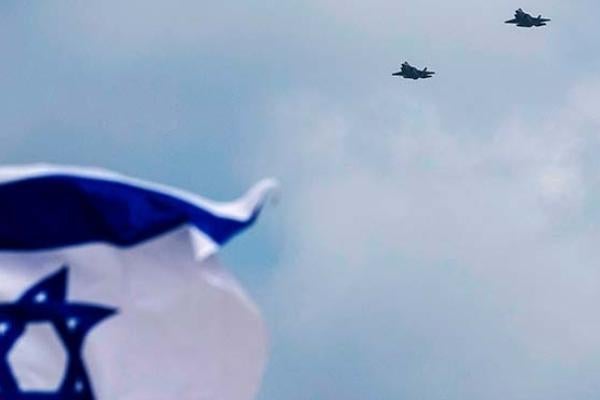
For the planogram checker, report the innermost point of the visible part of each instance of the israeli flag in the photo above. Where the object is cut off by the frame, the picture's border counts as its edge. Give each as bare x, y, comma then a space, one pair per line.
109, 290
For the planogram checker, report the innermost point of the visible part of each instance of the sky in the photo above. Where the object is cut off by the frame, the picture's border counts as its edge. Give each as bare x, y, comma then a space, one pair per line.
432, 240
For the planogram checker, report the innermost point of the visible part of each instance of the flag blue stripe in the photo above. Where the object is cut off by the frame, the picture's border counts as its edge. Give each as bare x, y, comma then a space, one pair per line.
61, 210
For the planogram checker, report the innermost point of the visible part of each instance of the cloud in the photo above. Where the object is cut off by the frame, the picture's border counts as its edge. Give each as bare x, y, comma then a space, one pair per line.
423, 263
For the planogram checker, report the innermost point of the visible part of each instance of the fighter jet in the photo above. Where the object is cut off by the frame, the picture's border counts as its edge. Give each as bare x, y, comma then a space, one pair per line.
527, 21
410, 72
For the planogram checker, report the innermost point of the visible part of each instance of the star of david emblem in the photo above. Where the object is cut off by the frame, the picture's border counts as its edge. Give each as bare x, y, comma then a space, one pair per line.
46, 302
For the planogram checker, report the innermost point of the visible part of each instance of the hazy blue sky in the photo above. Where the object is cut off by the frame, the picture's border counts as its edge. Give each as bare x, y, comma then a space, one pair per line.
435, 239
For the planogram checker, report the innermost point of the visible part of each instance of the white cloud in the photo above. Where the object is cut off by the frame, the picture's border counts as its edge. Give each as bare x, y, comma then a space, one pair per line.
460, 262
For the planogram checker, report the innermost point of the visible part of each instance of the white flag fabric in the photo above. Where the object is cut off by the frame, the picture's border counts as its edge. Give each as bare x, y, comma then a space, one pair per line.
109, 290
